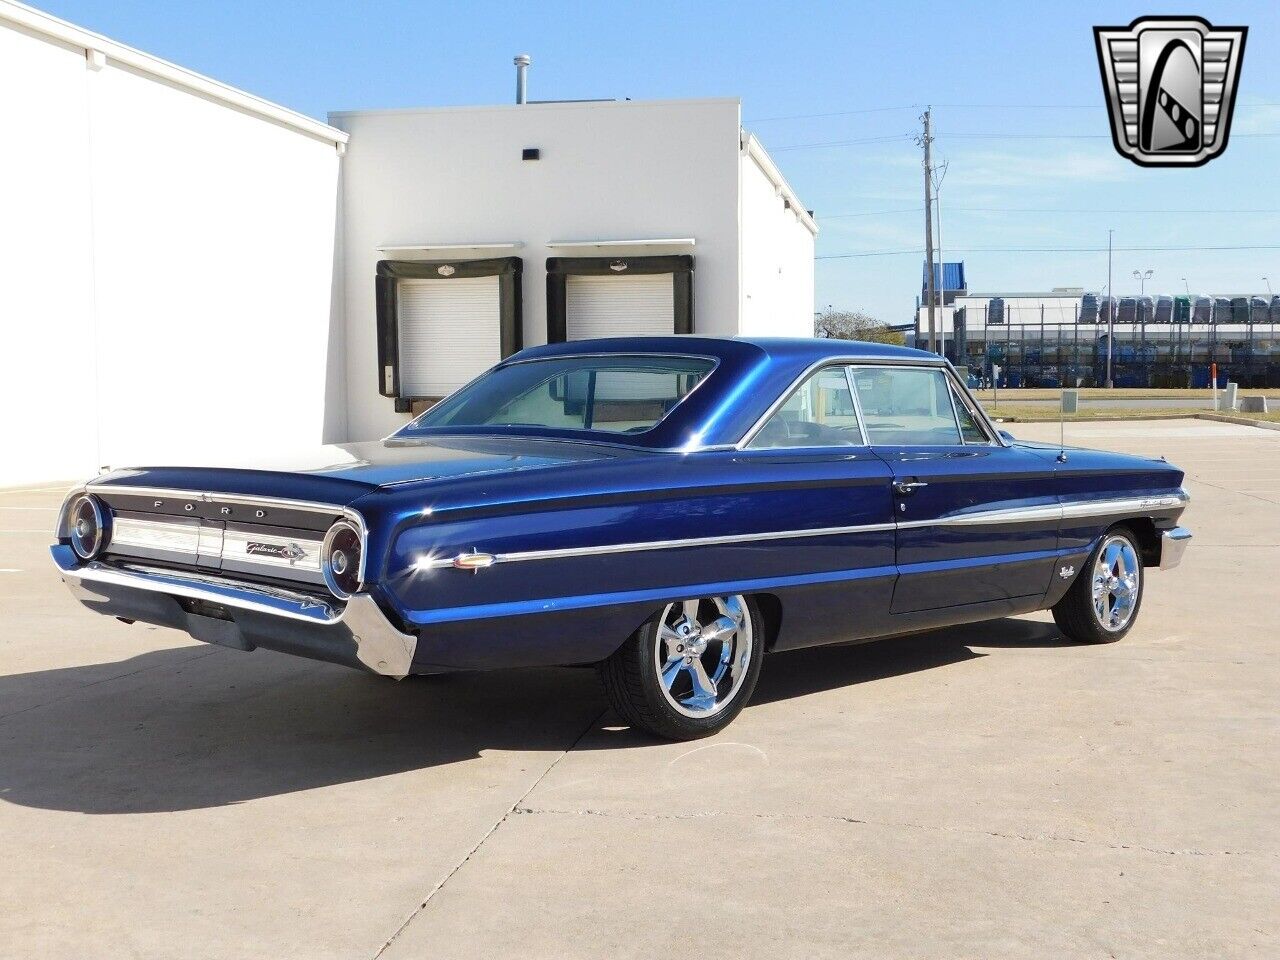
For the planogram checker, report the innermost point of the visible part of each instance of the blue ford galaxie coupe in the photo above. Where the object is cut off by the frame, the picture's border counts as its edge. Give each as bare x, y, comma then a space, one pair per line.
668, 508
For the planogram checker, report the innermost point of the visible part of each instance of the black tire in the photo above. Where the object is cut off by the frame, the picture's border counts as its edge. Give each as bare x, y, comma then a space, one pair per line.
633, 681
1076, 615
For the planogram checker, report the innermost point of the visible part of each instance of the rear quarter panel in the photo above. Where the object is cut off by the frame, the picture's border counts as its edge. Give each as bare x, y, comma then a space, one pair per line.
580, 607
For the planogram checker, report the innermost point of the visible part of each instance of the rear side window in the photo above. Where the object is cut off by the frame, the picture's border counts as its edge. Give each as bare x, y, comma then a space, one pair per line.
905, 405
820, 413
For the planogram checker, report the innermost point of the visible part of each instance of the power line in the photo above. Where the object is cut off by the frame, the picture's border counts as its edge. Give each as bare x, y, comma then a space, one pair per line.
819, 144
839, 113
961, 106
1059, 136
1076, 210
915, 251
840, 143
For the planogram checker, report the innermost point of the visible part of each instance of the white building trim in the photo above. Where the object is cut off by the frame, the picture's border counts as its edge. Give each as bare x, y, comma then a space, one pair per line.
753, 148
99, 49
428, 247
591, 244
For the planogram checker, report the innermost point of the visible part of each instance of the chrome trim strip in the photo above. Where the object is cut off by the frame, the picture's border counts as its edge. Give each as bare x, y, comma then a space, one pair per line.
178, 535
208, 496
1102, 508
438, 563
1041, 514
379, 645
235, 547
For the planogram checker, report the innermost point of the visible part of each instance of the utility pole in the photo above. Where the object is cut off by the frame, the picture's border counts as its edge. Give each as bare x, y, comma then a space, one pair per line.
926, 142
1111, 313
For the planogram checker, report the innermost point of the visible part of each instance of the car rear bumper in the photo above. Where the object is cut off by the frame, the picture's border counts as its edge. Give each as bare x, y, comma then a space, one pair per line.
243, 615
1173, 544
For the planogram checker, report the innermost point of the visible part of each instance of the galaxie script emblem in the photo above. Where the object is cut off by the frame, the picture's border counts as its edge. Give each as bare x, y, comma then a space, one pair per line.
284, 551
1170, 84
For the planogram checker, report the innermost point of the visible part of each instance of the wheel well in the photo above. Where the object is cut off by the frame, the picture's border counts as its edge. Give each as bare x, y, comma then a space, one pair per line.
771, 613
1144, 529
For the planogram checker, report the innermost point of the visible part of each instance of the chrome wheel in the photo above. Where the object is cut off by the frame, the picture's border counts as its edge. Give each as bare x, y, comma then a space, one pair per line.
1117, 579
703, 652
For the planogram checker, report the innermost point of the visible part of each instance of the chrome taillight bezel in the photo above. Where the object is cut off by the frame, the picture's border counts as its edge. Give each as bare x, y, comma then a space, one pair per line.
338, 581
84, 547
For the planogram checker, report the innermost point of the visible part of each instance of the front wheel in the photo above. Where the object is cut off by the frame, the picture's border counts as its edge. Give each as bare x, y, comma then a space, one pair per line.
1103, 603
690, 670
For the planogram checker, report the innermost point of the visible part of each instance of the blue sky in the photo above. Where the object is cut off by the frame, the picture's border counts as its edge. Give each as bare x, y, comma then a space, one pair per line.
1002, 77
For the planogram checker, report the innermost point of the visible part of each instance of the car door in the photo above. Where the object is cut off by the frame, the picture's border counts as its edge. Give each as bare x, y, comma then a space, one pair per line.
811, 450
977, 519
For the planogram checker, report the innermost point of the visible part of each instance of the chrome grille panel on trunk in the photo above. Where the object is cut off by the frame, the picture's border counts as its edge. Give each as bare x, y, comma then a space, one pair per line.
179, 527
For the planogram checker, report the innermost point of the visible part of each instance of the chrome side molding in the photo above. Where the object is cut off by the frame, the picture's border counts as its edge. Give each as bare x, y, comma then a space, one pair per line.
1047, 513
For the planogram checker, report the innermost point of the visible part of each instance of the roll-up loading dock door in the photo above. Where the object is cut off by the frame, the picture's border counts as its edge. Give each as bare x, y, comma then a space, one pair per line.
441, 324
448, 333
618, 297
620, 306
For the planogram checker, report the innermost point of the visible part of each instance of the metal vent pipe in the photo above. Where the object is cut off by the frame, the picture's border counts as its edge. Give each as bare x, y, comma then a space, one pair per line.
522, 72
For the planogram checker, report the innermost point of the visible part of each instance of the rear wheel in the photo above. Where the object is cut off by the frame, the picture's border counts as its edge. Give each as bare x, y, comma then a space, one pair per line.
1103, 603
690, 670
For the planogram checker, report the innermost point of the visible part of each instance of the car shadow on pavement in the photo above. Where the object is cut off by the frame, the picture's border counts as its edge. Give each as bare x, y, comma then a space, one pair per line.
800, 672
173, 731
182, 729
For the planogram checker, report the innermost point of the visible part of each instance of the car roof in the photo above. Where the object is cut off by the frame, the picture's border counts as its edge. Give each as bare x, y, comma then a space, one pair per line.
800, 351
748, 375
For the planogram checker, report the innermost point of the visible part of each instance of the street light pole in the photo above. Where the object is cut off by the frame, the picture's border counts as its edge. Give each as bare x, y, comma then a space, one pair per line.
1111, 313
1268, 283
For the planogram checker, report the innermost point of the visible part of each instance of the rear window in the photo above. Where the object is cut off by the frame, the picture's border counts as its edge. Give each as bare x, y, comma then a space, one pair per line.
613, 394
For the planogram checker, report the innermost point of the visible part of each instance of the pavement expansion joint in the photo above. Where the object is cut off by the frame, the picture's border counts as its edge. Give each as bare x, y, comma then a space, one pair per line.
595, 722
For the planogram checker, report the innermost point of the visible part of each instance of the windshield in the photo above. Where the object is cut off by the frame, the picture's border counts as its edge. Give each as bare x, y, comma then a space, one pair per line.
613, 394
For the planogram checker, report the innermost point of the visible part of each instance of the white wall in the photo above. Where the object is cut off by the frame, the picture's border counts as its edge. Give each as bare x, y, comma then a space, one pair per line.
777, 259
625, 170
48, 370
167, 267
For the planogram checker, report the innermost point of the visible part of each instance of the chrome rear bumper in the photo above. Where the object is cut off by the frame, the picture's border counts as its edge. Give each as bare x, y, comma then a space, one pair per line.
1173, 544
251, 615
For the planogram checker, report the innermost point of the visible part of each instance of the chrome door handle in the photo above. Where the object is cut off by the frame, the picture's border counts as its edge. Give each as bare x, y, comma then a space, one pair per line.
906, 487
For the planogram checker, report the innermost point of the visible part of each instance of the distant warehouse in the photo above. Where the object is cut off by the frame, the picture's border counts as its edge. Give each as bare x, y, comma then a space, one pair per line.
1059, 337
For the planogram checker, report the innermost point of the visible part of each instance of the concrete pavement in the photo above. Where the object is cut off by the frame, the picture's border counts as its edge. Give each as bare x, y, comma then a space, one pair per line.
987, 791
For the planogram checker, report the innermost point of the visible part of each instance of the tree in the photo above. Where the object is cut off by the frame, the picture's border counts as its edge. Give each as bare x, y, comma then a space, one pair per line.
852, 325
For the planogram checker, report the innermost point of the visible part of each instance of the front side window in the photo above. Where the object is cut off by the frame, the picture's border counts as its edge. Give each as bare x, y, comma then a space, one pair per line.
614, 394
968, 418
905, 405
820, 413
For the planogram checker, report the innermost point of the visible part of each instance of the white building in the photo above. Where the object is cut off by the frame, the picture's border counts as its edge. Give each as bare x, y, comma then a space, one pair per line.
189, 272
166, 255
478, 230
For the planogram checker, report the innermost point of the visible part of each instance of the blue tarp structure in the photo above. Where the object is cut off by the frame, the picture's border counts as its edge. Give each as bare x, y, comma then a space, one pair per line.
951, 273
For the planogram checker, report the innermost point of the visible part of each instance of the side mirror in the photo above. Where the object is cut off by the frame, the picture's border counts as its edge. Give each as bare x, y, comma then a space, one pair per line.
1006, 436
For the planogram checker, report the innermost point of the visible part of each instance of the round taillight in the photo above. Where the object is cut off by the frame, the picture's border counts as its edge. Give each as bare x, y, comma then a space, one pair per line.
341, 559
86, 527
